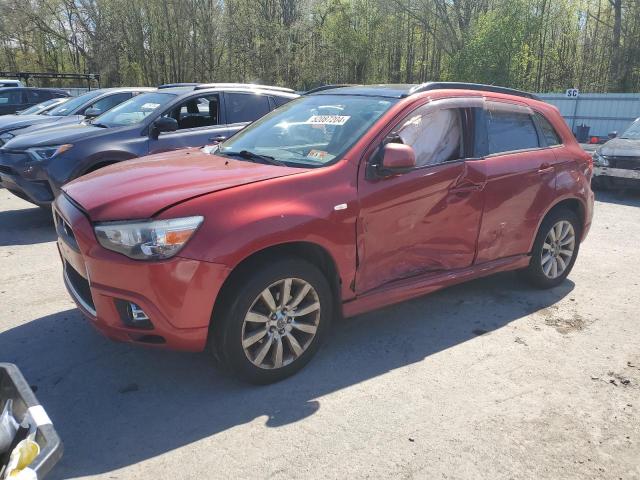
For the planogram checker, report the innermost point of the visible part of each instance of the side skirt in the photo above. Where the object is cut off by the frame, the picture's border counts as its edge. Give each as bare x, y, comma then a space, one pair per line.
405, 289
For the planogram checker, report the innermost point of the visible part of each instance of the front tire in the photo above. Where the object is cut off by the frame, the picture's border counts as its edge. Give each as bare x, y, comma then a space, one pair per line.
555, 249
275, 321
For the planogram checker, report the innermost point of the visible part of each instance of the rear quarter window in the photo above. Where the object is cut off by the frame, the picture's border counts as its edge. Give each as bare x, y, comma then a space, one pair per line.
279, 101
510, 131
549, 133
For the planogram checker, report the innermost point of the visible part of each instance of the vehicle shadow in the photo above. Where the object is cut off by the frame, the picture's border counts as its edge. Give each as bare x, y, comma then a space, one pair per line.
26, 226
627, 197
115, 405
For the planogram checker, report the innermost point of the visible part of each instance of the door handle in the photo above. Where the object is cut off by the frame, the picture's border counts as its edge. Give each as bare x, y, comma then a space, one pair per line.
467, 187
219, 138
545, 168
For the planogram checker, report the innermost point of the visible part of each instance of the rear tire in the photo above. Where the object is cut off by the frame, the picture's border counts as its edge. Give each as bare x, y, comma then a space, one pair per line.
555, 249
274, 321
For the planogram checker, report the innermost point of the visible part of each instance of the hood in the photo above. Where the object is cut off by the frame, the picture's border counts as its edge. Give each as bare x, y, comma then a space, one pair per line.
54, 122
621, 147
54, 135
140, 188
11, 122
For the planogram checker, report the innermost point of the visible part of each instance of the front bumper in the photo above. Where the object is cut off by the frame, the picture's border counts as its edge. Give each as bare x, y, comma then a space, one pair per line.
21, 176
176, 294
616, 173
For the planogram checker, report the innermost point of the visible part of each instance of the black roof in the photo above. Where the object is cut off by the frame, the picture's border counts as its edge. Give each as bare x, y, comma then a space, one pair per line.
405, 90
57, 90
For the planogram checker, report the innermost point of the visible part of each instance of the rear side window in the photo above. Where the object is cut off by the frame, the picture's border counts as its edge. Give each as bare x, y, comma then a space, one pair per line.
107, 103
37, 96
549, 133
245, 107
510, 131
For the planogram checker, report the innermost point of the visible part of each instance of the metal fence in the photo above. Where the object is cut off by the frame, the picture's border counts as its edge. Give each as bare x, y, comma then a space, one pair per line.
603, 112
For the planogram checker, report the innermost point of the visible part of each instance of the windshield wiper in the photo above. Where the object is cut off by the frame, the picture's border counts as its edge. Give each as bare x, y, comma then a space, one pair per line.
246, 154
101, 125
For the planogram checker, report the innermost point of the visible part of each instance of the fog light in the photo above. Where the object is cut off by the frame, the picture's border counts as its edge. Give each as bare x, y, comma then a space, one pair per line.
137, 314
132, 315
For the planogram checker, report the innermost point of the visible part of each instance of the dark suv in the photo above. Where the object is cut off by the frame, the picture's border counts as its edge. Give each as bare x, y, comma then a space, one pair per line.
90, 104
35, 166
13, 99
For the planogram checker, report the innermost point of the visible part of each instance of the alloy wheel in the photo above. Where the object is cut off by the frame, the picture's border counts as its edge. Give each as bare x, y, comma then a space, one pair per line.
281, 323
558, 249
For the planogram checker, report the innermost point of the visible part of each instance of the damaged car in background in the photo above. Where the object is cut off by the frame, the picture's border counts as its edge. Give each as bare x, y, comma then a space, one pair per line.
617, 162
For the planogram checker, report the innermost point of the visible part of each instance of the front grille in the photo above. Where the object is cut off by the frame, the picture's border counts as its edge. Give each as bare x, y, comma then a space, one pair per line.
6, 170
66, 228
65, 231
79, 288
625, 163
13, 157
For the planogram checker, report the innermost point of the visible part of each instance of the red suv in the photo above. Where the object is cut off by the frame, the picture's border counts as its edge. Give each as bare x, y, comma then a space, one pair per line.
342, 201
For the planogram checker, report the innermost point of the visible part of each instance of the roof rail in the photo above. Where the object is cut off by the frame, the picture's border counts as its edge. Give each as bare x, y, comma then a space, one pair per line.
201, 86
180, 84
326, 87
470, 86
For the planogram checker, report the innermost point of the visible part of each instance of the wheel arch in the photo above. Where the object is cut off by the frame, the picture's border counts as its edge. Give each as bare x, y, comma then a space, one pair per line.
98, 166
304, 250
103, 159
574, 204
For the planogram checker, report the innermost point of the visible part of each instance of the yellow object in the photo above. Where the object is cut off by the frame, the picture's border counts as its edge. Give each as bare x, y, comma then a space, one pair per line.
22, 456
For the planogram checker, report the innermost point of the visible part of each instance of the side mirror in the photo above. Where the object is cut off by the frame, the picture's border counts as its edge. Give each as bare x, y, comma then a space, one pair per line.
92, 112
163, 124
612, 134
392, 158
397, 158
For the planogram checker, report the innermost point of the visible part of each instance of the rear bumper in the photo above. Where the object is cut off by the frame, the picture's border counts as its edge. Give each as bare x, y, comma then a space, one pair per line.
177, 294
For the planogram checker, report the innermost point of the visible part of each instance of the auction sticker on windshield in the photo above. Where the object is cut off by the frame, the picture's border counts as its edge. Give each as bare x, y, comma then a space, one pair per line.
328, 119
317, 154
149, 106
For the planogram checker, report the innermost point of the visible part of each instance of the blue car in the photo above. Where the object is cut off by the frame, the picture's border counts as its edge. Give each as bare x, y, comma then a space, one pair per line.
74, 110
34, 166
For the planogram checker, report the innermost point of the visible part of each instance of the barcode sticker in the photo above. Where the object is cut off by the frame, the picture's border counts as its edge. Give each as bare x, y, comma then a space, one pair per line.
328, 119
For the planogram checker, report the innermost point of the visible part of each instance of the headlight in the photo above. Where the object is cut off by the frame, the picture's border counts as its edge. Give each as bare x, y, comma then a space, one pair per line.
600, 160
45, 153
5, 137
147, 240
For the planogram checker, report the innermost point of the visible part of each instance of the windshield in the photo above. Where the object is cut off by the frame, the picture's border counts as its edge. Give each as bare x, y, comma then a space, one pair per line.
134, 110
40, 107
309, 131
633, 132
70, 107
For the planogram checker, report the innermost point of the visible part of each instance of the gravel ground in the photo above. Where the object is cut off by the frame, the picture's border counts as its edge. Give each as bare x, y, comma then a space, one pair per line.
487, 380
